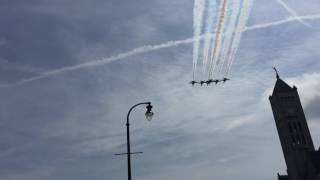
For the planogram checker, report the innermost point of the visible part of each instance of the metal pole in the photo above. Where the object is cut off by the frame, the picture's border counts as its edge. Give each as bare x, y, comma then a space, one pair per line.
128, 138
128, 151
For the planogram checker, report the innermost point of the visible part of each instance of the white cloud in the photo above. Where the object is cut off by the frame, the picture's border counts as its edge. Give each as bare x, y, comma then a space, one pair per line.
308, 86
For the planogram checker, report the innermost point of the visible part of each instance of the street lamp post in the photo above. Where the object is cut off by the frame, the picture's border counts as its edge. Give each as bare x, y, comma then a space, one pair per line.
148, 115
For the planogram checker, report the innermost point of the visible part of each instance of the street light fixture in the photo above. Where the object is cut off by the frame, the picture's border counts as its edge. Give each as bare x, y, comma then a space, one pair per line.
149, 114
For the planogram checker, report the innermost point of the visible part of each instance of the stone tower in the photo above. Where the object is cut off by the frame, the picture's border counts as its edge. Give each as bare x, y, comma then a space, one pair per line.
294, 135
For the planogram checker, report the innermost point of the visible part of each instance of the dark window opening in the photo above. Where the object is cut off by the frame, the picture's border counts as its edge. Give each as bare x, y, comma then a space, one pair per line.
293, 140
294, 126
298, 139
300, 127
303, 139
290, 127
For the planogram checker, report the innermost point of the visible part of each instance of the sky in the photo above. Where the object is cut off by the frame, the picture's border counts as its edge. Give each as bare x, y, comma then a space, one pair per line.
66, 87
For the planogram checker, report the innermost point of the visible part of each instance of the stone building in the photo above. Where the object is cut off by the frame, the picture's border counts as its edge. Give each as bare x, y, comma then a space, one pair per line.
302, 160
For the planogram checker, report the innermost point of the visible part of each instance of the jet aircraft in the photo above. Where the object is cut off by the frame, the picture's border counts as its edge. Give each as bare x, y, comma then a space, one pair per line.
225, 79
217, 81
209, 81
194, 82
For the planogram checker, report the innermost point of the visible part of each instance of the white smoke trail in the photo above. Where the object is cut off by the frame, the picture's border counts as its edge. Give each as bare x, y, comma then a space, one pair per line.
208, 30
236, 6
292, 12
198, 11
243, 18
136, 51
218, 37
280, 22
146, 49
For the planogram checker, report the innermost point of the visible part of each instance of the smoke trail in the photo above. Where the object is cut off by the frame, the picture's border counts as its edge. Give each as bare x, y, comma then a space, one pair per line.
236, 6
280, 22
209, 26
243, 18
218, 37
136, 51
292, 12
198, 12
146, 49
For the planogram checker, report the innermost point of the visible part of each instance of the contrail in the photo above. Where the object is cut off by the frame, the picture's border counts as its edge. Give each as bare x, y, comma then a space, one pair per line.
292, 12
136, 51
243, 18
217, 42
284, 21
146, 49
198, 12
208, 29
236, 5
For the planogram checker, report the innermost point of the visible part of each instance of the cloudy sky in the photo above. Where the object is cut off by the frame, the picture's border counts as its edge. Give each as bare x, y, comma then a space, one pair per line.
66, 87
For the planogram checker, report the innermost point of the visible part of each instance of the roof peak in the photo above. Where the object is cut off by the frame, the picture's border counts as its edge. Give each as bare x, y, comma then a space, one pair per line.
281, 86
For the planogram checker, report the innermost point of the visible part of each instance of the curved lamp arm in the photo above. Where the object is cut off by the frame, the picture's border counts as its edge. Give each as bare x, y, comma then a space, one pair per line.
147, 103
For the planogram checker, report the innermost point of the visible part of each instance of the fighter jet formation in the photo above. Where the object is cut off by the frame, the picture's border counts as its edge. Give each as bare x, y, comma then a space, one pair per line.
220, 23
209, 81
218, 26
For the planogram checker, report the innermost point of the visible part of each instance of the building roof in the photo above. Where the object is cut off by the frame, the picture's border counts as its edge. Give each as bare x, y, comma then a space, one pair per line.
281, 87
283, 177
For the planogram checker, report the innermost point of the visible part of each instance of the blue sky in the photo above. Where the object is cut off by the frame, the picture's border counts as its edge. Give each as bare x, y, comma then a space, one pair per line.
69, 123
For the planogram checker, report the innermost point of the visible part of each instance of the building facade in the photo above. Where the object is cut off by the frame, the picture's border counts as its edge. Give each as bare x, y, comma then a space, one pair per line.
302, 160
